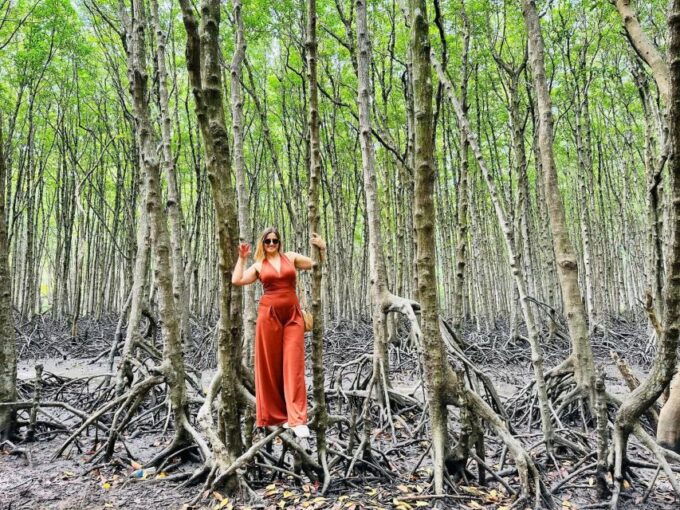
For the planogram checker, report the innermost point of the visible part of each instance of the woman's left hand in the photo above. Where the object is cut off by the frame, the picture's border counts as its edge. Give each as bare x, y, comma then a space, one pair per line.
318, 241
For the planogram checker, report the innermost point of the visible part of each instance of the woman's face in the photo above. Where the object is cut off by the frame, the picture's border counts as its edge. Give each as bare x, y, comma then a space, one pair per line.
271, 243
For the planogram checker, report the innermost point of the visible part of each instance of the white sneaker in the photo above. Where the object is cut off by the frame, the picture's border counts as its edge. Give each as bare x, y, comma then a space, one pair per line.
286, 426
301, 431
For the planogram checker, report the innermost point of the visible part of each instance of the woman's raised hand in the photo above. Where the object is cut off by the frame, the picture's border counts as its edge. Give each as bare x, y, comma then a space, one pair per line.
243, 250
318, 241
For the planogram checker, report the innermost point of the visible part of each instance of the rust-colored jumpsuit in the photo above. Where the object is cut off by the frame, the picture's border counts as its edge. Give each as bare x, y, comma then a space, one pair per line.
280, 390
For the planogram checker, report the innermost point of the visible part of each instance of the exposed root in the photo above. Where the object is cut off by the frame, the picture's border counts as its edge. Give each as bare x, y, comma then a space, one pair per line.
531, 482
140, 388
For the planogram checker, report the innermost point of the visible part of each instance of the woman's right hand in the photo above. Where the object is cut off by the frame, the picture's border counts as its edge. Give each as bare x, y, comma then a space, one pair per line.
244, 250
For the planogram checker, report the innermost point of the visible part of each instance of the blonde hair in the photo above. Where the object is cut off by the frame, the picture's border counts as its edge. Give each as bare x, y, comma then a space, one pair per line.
259, 249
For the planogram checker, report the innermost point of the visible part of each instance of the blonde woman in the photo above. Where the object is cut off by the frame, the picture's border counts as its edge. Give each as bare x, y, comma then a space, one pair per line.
280, 389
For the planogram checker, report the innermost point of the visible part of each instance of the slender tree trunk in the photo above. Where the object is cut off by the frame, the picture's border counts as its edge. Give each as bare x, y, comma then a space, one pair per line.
581, 359
173, 361
8, 354
314, 224
668, 432
381, 297
462, 190
378, 270
434, 359
654, 164
139, 291
244, 222
173, 202
203, 65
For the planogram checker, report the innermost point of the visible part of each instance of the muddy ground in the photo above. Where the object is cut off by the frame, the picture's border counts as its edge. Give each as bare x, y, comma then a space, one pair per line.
31, 478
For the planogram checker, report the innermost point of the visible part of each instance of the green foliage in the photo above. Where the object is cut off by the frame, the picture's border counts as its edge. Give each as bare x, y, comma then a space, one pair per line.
64, 84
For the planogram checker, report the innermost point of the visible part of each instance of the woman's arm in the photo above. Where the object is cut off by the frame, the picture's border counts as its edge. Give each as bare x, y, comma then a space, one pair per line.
299, 261
239, 276
303, 262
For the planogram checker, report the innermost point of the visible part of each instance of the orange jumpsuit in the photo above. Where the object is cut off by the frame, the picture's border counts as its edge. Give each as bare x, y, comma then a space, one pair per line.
280, 389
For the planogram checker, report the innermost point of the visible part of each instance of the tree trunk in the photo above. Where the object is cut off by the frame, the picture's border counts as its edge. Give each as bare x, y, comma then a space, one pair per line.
244, 222
645, 48
8, 354
432, 349
173, 202
173, 360
314, 223
668, 429
378, 270
203, 65
668, 433
462, 190
581, 359
654, 164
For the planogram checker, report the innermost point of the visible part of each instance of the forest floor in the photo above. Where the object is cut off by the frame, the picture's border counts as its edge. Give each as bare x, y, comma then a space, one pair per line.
31, 479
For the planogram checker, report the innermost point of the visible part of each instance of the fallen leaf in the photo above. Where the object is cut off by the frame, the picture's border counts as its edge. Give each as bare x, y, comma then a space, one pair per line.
224, 504
472, 490
401, 505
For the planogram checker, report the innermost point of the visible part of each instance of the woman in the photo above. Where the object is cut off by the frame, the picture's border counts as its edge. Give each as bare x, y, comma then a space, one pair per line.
280, 389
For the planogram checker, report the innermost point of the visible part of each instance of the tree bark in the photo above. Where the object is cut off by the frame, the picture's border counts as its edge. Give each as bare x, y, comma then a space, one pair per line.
462, 189
173, 202
314, 223
203, 65
668, 433
172, 367
668, 428
645, 48
433, 352
8, 354
378, 270
581, 359
244, 221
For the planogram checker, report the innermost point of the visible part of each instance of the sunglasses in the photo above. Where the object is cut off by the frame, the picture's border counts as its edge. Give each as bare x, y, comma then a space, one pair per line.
271, 241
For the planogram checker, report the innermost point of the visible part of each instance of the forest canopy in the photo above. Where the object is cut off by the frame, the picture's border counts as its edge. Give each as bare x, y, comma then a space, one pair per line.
74, 187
